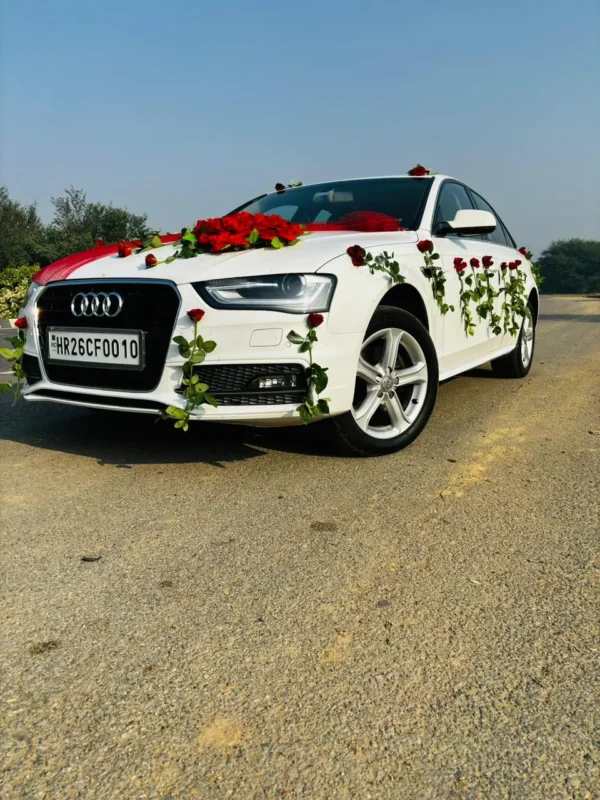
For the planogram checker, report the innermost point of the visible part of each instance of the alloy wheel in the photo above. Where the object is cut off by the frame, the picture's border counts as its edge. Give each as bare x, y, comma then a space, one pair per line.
391, 383
526, 341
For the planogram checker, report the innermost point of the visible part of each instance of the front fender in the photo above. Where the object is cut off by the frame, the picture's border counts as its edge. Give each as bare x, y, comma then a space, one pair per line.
358, 292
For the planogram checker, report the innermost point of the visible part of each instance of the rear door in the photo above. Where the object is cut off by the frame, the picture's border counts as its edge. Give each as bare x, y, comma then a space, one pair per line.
460, 347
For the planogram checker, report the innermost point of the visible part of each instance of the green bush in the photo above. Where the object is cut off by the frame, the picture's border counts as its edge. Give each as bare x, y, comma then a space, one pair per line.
14, 282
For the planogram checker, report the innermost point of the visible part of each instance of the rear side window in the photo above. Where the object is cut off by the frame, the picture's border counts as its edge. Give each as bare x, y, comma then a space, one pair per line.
500, 235
453, 197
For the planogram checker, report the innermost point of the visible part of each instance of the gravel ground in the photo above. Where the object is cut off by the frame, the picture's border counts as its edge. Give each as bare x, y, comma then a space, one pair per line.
240, 614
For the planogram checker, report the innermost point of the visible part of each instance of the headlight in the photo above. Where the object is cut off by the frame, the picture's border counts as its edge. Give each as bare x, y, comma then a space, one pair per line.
293, 293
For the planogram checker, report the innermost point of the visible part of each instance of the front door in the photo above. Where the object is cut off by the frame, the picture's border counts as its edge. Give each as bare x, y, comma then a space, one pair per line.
467, 336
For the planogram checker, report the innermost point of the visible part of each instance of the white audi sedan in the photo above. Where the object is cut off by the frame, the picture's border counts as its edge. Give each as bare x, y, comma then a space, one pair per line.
388, 311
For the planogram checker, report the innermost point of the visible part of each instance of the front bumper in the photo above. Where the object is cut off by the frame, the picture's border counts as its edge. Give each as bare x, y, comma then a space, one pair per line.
242, 337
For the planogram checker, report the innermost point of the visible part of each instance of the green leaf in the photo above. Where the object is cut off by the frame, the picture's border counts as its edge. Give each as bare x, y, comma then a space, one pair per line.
305, 347
198, 357
209, 346
202, 387
305, 413
184, 350
295, 338
156, 241
434, 256
211, 400
172, 258
6, 387
323, 406
8, 354
276, 242
321, 382
175, 412
188, 236
180, 340
180, 423
199, 341
254, 236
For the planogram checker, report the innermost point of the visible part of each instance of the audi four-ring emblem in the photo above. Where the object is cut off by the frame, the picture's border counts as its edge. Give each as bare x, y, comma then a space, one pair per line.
100, 304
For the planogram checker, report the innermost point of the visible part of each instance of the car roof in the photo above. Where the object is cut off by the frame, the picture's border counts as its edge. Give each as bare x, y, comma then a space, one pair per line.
365, 178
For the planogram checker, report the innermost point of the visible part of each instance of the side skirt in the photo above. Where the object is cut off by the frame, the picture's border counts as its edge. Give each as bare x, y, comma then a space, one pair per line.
476, 362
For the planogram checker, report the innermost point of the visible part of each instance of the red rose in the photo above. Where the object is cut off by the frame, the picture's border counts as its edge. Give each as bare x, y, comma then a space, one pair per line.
418, 171
314, 320
487, 261
459, 264
524, 252
123, 251
357, 254
21, 323
196, 314
504, 265
518, 263
425, 246
151, 260
280, 187
100, 243
474, 262
513, 265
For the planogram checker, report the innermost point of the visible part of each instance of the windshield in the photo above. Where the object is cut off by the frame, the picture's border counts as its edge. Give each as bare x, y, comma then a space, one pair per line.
400, 198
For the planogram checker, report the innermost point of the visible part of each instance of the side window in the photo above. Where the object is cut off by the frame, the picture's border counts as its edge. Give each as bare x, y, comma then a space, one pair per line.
498, 236
453, 197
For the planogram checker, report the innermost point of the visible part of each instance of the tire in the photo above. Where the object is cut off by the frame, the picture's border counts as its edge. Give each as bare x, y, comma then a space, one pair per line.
517, 363
391, 405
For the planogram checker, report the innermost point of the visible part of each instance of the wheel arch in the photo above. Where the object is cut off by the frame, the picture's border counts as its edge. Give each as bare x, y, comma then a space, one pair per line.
534, 299
408, 298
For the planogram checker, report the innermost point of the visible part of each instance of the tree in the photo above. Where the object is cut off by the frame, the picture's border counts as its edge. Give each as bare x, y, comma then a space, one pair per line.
74, 216
21, 231
571, 266
76, 226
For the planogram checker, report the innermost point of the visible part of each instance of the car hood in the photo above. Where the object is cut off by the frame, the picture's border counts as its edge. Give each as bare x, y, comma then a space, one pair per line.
309, 255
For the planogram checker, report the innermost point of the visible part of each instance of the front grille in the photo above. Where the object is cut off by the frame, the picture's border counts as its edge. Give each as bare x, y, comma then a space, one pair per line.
31, 368
235, 384
149, 306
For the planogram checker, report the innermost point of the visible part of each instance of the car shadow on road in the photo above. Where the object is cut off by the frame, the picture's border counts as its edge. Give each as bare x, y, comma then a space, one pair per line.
123, 439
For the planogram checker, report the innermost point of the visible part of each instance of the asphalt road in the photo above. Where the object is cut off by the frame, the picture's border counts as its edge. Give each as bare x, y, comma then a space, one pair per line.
239, 614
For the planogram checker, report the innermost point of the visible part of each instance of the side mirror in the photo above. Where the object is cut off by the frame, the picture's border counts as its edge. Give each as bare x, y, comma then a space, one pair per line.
468, 221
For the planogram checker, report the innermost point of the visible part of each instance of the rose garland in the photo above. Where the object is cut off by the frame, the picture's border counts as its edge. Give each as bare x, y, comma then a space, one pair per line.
487, 295
420, 171
435, 274
466, 295
281, 187
516, 291
312, 406
14, 355
535, 268
195, 393
240, 231
382, 263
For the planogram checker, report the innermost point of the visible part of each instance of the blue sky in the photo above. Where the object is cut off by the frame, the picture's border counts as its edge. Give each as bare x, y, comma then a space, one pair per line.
187, 108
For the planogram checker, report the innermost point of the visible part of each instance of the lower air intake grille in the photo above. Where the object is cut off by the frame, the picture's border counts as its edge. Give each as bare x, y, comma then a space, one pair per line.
237, 384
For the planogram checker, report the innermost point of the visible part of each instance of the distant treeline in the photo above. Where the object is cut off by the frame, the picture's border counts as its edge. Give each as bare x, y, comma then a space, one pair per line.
571, 266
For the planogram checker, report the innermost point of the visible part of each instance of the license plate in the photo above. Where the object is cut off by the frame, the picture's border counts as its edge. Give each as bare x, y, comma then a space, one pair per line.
95, 347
